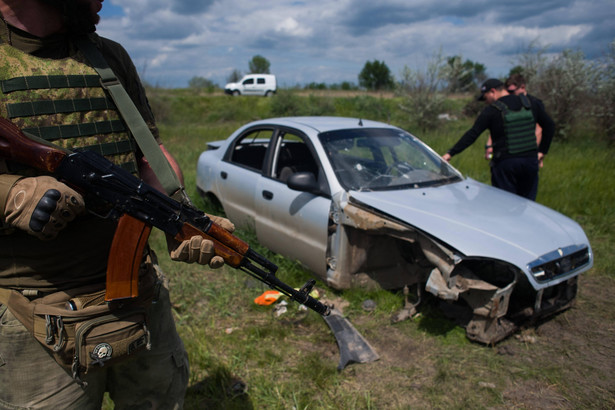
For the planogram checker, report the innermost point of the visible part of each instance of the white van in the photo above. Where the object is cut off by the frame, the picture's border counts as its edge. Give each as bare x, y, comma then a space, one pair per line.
253, 84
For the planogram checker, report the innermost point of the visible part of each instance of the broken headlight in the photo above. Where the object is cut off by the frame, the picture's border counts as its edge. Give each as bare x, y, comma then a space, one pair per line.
559, 263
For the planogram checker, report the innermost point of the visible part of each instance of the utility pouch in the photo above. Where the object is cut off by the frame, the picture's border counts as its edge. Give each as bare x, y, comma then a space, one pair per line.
83, 332
108, 339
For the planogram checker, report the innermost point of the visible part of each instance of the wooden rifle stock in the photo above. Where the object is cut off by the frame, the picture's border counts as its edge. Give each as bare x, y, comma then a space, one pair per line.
16, 146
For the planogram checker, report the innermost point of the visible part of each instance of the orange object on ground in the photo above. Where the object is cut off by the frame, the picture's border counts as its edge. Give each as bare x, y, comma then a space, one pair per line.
268, 297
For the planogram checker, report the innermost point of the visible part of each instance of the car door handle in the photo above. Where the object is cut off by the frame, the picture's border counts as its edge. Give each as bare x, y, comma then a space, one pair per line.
267, 194
223, 175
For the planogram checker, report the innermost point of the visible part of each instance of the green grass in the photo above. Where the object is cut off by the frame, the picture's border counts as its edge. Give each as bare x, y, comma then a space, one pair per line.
290, 361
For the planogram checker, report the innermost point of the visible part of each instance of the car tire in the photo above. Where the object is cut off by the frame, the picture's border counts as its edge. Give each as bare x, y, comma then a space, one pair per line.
236, 93
269, 93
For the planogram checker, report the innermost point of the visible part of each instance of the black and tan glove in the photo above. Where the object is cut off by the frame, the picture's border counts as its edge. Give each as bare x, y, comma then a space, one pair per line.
197, 249
42, 206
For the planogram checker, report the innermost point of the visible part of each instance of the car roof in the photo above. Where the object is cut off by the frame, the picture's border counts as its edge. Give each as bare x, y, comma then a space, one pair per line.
323, 124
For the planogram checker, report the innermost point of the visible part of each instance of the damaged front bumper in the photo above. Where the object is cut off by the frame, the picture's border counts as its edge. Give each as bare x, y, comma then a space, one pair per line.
369, 248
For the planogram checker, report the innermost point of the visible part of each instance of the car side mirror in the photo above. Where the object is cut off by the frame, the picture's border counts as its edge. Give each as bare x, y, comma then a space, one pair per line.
304, 182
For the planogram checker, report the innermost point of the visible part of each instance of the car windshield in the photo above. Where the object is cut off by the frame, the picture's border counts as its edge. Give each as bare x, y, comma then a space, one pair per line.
384, 159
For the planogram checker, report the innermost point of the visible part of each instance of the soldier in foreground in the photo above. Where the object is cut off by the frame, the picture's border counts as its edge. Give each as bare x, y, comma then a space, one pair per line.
52, 250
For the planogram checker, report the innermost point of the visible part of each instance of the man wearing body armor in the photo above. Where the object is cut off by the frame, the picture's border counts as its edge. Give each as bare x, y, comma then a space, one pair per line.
49, 243
512, 121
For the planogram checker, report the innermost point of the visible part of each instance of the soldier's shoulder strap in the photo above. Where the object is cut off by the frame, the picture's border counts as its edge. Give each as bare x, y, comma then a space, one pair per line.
525, 101
500, 106
135, 122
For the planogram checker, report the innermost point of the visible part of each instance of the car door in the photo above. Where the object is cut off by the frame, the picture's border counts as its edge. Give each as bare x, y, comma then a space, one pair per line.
248, 86
289, 222
240, 172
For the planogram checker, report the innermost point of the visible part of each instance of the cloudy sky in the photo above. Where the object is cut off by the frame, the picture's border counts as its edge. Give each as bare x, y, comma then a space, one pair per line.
329, 41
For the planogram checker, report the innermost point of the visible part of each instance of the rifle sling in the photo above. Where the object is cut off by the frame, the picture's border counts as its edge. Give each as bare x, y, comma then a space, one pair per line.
139, 129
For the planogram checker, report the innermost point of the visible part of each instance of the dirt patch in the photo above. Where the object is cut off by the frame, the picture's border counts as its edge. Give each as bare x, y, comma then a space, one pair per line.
581, 341
564, 362
532, 395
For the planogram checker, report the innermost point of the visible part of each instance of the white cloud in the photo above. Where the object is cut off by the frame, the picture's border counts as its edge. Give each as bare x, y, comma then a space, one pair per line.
291, 27
324, 41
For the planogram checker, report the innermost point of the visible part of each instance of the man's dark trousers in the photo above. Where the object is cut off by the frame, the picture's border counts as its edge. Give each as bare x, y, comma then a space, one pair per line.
518, 175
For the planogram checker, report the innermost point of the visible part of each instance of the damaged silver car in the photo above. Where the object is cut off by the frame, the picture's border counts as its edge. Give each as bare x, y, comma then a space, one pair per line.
361, 202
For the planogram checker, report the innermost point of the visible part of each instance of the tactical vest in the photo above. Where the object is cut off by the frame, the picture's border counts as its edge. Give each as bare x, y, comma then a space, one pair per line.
519, 127
62, 101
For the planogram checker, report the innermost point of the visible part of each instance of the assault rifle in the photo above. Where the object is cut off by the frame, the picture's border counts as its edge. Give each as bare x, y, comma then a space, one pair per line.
138, 206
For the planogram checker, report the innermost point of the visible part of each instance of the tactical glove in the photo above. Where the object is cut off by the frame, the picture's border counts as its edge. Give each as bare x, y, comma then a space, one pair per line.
197, 249
42, 206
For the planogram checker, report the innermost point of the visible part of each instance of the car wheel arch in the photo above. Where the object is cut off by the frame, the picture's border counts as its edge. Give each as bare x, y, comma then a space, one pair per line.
372, 250
213, 204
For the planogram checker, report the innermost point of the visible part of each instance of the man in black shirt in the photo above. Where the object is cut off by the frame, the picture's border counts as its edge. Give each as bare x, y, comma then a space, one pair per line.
514, 167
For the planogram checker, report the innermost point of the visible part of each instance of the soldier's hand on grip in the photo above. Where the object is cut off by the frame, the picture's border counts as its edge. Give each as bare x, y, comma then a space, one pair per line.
197, 249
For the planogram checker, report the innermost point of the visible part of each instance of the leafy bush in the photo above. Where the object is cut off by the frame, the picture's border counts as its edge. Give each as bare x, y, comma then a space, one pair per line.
318, 106
288, 103
422, 99
473, 108
365, 106
201, 83
285, 103
161, 106
564, 83
604, 107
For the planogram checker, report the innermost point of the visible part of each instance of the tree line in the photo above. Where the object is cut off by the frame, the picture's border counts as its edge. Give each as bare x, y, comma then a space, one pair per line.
577, 92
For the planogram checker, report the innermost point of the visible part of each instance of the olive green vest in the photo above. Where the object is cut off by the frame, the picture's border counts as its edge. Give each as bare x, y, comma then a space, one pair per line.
519, 127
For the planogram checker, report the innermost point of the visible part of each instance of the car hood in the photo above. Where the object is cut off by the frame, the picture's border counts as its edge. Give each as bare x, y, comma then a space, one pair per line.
479, 220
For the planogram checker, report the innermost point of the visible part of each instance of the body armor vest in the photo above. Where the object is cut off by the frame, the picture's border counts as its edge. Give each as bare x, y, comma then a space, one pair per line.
66, 105
519, 127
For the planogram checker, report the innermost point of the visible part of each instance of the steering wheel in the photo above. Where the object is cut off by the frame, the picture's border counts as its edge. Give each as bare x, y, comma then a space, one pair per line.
402, 167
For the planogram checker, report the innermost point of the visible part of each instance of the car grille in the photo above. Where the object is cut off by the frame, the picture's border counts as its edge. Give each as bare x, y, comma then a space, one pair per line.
563, 263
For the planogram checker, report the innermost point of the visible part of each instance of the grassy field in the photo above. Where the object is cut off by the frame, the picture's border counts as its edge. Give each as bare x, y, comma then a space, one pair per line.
242, 356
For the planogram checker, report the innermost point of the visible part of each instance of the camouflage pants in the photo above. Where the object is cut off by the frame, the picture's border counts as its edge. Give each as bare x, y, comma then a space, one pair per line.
30, 378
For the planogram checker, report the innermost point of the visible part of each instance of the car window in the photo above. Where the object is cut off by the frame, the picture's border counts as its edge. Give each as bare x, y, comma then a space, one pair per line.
378, 159
249, 150
260, 80
249, 81
293, 155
